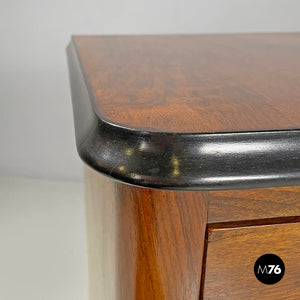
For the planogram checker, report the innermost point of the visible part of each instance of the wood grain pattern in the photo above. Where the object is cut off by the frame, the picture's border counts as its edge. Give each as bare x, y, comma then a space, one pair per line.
231, 255
251, 204
222, 83
148, 244
143, 244
163, 157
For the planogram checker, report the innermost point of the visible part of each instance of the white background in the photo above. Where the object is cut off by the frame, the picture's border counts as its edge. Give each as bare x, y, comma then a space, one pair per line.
42, 240
36, 125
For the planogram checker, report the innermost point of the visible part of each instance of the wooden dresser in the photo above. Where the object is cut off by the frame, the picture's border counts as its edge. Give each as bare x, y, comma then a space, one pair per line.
192, 152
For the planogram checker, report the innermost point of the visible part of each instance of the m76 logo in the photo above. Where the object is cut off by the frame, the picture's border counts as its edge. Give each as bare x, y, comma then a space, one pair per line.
269, 269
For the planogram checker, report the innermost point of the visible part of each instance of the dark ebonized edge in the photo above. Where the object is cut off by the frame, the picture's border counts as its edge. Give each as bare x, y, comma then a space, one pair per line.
180, 160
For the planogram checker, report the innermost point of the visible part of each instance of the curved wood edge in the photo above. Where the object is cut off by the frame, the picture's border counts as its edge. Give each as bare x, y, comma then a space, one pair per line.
143, 243
182, 160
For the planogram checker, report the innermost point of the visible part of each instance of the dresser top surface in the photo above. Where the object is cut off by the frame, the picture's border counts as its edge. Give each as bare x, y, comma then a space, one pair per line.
194, 83
189, 111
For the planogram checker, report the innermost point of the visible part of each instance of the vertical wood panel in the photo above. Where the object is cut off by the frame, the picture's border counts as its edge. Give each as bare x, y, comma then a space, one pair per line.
143, 243
101, 234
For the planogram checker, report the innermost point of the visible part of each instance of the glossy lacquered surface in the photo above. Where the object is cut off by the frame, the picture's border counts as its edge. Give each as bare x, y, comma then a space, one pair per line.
167, 158
143, 244
194, 83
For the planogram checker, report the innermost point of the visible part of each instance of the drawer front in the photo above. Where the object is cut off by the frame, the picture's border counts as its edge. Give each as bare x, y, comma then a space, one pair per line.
232, 253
